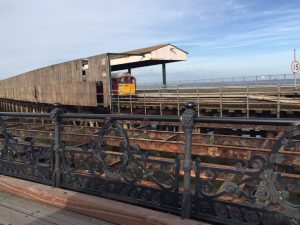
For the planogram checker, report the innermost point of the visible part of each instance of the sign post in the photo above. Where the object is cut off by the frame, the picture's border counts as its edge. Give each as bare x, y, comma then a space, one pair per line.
295, 67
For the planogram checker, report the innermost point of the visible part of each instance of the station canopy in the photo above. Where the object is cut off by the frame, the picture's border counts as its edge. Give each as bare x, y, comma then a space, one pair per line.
154, 55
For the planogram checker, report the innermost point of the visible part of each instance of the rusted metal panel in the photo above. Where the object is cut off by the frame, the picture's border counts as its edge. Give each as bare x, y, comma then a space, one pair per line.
212, 139
198, 149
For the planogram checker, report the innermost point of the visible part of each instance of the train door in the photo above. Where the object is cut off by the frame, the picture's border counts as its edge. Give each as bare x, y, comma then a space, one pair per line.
132, 88
122, 84
115, 86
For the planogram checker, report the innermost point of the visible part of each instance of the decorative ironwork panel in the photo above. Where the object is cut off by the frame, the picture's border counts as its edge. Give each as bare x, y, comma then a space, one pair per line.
126, 173
25, 159
248, 194
256, 193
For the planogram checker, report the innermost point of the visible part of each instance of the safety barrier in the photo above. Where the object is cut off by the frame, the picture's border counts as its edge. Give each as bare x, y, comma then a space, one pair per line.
247, 193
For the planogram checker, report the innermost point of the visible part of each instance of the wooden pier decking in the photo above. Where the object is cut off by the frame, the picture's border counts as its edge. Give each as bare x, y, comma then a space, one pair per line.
84, 209
15, 210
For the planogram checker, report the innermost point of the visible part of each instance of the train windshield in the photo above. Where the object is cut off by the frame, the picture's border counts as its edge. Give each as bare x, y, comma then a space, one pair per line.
126, 80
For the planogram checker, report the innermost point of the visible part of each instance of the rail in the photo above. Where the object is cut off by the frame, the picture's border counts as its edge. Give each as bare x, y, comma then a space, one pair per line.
247, 193
256, 80
249, 101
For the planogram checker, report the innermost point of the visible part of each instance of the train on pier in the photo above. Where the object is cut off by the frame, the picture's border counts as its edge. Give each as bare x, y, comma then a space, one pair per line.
86, 82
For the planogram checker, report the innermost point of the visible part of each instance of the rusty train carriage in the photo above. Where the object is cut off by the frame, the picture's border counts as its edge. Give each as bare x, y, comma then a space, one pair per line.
74, 83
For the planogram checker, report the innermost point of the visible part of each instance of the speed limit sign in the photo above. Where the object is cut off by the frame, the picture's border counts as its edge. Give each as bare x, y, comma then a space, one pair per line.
295, 66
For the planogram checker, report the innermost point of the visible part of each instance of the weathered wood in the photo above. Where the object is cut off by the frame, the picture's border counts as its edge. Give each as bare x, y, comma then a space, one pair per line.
57, 83
19, 211
99, 71
104, 209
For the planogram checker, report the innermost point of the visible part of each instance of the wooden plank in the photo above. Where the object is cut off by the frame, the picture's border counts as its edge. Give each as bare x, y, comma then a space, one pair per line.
17, 210
104, 209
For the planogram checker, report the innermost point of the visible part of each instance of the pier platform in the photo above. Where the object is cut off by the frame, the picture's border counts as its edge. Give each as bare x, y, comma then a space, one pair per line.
24, 202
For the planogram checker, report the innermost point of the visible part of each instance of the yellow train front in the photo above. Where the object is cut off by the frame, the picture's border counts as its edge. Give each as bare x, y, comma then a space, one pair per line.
123, 84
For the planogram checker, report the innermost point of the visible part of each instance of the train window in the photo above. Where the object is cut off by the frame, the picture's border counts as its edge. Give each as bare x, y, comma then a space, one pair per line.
133, 80
130, 80
121, 80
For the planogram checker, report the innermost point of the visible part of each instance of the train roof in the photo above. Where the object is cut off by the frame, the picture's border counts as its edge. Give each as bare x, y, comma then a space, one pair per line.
121, 74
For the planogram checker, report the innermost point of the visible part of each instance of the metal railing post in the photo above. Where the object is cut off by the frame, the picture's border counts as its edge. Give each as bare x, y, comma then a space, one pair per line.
131, 109
55, 114
221, 102
178, 103
188, 125
278, 101
160, 103
145, 107
247, 102
198, 101
119, 109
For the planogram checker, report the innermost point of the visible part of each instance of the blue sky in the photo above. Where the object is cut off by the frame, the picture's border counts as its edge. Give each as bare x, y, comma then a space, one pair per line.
223, 37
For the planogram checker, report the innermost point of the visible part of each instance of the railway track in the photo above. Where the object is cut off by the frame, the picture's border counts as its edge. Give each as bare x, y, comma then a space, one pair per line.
217, 150
213, 146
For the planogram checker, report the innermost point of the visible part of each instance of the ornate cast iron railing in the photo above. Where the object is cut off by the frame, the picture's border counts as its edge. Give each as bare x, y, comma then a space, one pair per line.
251, 193
25, 160
129, 175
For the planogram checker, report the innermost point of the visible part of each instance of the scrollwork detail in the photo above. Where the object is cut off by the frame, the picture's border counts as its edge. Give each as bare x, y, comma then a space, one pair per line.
131, 164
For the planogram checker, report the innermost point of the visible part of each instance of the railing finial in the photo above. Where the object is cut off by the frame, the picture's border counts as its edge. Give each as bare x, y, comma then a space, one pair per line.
190, 105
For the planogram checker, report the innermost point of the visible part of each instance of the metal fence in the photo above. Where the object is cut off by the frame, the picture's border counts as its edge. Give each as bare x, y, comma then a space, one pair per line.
248, 193
256, 80
249, 101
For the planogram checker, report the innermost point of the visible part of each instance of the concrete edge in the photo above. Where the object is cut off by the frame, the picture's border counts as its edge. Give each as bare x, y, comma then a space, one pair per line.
100, 208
